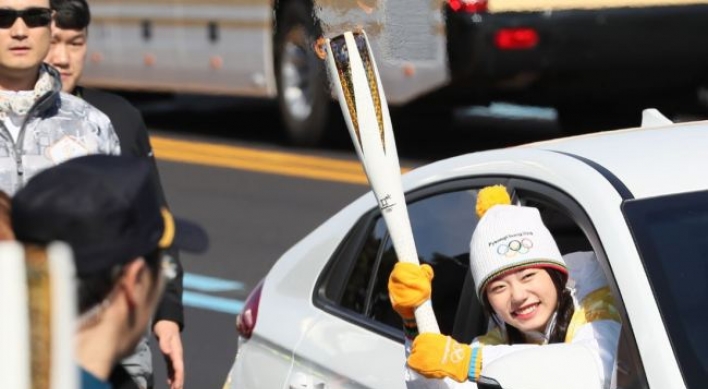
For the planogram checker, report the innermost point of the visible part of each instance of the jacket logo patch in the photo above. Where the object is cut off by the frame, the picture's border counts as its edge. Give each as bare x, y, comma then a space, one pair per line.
65, 149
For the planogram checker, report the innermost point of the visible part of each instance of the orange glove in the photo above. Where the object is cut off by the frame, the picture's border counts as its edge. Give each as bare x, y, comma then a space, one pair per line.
409, 287
440, 356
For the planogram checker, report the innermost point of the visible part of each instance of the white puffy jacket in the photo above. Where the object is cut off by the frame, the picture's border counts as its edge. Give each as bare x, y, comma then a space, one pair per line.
57, 127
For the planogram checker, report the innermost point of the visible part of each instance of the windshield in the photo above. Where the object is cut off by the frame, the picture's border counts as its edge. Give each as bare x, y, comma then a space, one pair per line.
671, 234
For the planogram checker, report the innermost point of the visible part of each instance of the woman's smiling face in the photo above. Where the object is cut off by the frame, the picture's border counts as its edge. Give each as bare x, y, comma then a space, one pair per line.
525, 299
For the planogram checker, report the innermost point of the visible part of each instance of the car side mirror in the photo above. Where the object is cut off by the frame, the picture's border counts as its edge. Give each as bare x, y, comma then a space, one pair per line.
551, 366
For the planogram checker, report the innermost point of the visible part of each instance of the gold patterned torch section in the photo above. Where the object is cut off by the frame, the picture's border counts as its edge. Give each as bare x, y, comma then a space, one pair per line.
340, 52
40, 313
369, 67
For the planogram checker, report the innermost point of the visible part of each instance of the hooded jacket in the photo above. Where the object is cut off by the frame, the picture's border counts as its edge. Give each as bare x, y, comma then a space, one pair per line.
595, 325
57, 127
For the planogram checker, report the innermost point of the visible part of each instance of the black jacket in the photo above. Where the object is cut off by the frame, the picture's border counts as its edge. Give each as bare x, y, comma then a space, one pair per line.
121, 379
133, 137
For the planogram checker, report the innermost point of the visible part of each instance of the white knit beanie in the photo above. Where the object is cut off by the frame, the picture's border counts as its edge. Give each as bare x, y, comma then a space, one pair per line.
509, 237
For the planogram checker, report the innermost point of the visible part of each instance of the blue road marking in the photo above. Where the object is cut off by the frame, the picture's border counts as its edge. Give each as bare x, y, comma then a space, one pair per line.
206, 285
512, 111
209, 284
212, 303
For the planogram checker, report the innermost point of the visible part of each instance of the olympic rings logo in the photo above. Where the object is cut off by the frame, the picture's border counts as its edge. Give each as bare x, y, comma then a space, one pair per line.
515, 247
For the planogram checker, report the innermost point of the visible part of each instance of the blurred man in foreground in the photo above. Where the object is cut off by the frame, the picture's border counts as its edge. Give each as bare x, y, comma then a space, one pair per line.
107, 209
67, 53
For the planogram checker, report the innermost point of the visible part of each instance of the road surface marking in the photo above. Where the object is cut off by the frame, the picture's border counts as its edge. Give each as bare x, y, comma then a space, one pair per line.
209, 284
212, 303
241, 158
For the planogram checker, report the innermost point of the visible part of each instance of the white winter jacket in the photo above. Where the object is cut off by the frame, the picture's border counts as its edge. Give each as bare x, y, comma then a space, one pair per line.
57, 127
595, 324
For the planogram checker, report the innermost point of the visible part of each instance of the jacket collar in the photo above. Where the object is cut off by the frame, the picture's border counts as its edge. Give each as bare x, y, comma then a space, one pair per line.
50, 99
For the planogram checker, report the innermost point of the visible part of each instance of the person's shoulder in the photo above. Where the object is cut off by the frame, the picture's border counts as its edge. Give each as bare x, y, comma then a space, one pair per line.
69, 100
108, 101
90, 381
577, 260
73, 107
585, 272
120, 379
493, 337
90, 94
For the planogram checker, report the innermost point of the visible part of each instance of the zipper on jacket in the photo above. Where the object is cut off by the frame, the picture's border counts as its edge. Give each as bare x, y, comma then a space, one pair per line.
21, 135
18, 158
20, 168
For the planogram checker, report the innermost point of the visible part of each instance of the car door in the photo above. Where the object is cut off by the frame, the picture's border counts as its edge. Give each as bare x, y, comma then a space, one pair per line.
574, 229
357, 342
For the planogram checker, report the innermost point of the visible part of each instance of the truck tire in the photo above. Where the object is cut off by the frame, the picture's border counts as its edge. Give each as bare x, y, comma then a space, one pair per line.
304, 100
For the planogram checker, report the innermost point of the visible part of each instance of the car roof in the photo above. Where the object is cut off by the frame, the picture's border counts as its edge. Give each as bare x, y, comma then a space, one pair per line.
647, 162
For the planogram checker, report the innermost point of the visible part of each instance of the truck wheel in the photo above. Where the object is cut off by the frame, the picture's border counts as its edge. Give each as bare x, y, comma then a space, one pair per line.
303, 97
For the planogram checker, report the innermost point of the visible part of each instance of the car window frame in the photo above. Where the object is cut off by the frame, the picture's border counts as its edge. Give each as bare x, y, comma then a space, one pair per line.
631, 210
351, 246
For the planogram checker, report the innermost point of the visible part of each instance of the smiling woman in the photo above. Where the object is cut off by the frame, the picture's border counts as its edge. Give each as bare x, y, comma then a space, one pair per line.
521, 279
525, 299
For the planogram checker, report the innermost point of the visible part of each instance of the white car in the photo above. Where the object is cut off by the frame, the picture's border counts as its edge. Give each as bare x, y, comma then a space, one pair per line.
638, 198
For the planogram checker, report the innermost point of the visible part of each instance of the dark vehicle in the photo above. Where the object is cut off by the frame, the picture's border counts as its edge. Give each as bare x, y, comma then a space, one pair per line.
599, 64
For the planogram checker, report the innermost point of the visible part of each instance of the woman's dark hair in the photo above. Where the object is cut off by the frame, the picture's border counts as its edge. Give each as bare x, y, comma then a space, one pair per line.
565, 311
94, 289
71, 14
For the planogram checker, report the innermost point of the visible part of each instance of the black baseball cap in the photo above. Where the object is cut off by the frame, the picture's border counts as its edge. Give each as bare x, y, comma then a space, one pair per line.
106, 208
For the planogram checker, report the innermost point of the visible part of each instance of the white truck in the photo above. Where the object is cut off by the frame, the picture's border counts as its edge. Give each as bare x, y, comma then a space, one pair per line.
580, 57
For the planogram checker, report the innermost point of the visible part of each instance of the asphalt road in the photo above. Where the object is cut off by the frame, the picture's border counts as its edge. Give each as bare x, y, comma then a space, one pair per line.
251, 219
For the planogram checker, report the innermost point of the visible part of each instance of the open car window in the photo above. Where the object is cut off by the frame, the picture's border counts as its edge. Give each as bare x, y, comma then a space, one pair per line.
357, 282
442, 227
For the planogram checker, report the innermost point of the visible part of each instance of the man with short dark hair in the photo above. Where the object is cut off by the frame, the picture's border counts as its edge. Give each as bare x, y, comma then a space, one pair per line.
39, 126
107, 210
68, 54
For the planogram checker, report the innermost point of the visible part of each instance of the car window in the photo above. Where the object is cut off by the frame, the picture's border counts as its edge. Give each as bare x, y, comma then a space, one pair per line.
442, 226
670, 232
